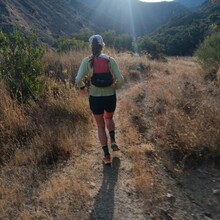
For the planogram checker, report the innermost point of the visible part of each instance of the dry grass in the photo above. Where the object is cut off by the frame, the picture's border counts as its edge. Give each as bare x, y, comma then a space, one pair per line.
64, 196
143, 154
63, 66
13, 124
37, 140
172, 116
176, 109
218, 78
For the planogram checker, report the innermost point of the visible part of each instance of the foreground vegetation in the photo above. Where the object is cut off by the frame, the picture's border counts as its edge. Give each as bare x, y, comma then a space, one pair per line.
36, 139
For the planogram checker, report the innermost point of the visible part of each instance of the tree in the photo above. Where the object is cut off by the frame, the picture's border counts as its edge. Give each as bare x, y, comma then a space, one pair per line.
109, 38
151, 46
83, 34
20, 67
124, 42
208, 53
66, 45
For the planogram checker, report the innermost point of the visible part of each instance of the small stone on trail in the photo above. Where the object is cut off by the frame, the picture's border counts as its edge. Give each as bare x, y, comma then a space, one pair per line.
92, 184
215, 191
169, 195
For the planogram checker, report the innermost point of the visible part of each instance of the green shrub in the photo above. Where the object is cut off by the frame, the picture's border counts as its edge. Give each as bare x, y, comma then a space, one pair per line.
83, 34
124, 42
208, 53
20, 66
151, 46
109, 38
66, 45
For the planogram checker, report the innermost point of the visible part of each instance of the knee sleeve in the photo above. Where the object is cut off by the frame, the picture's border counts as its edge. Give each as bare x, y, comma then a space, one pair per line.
108, 115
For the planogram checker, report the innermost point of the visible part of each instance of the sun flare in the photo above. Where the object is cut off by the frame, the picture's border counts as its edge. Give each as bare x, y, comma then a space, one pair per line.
156, 0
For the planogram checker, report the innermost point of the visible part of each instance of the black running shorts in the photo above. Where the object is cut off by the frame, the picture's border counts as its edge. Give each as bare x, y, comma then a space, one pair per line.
99, 104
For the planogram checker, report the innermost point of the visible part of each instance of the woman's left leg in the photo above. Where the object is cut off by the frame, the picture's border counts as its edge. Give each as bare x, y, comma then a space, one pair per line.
101, 129
110, 124
103, 137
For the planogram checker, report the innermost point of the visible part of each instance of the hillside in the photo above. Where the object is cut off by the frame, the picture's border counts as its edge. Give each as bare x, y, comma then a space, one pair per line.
53, 19
134, 17
184, 33
48, 18
191, 4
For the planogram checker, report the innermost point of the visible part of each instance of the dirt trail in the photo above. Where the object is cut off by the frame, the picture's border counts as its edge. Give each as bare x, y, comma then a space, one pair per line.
113, 196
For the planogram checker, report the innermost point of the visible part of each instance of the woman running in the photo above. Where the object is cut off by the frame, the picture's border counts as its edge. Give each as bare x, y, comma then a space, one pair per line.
105, 78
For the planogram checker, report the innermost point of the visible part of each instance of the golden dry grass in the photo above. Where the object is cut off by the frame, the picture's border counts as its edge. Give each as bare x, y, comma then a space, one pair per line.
218, 78
37, 140
176, 107
63, 66
172, 116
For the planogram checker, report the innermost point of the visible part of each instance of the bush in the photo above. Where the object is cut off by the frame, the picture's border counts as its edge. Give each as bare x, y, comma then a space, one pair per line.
110, 38
124, 42
151, 46
83, 34
66, 45
20, 66
208, 53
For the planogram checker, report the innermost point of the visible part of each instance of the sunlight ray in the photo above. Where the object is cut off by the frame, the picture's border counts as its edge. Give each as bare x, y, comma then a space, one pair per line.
132, 24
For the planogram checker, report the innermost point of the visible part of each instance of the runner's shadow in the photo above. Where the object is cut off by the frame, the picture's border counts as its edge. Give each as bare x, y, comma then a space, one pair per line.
104, 201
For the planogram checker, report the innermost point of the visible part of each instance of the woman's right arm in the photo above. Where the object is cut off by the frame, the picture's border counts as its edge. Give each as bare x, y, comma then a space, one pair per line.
119, 79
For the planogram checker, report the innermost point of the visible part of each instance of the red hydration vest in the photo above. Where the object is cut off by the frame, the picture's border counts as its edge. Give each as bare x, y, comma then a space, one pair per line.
102, 76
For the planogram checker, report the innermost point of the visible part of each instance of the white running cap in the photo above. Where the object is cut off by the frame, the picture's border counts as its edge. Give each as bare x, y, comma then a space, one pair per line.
98, 37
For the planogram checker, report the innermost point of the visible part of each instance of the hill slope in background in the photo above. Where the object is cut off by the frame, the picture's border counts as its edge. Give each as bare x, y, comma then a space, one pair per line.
49, 18
191, 4
58, 18
132, 16
184, 33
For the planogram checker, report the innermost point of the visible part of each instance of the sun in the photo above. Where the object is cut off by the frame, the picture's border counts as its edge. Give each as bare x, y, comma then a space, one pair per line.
156, 0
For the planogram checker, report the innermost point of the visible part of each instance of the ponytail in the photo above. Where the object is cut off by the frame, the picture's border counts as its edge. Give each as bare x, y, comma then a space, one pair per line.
96, 50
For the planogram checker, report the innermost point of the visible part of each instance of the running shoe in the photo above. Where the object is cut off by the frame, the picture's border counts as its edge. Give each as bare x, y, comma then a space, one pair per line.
107, 159
115, 147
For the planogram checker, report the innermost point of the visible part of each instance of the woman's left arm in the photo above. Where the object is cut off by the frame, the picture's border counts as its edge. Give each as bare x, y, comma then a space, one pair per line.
82, 73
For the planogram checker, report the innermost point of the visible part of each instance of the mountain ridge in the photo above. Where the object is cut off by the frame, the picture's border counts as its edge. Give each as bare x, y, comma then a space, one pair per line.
53, 19
191, 4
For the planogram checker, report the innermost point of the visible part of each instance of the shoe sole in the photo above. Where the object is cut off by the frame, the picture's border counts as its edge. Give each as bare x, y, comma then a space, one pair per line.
106, 162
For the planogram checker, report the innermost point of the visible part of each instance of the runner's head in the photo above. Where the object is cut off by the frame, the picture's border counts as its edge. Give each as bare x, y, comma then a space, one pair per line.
97, 44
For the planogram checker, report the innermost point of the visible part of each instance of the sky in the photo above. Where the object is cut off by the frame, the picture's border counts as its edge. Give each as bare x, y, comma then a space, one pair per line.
156, 0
